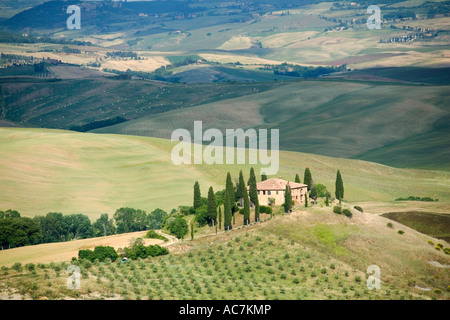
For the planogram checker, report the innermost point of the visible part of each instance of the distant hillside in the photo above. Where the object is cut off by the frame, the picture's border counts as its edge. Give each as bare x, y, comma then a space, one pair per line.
338, 118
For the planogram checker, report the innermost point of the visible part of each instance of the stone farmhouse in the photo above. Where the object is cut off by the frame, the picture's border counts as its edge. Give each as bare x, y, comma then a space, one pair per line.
275, 188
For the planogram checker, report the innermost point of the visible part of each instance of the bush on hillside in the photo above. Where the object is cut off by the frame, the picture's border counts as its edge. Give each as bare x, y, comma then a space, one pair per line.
100, 253
152, 234
347, 213
337, 209
265, 209
358, 208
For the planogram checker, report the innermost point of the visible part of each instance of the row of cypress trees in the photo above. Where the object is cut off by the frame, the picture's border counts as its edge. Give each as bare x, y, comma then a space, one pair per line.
250, 196
246, 197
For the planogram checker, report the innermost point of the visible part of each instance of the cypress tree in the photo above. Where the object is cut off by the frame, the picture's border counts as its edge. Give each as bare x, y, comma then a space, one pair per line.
230, 190
339, 187
307, 179
257, 210
253, 193
246, 208
192, 229
297, 178
230, 194
197, 196
241, 188
212, 206
287, 198
306, 200
226, 212
220, 217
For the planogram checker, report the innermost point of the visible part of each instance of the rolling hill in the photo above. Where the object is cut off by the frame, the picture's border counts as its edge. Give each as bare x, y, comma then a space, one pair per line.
394, 123
61, 171
333, 118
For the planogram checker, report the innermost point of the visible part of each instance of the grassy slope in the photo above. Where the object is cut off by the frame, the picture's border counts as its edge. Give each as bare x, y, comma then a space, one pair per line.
62, 104
436, 225
346, 119
324, 252
48, 170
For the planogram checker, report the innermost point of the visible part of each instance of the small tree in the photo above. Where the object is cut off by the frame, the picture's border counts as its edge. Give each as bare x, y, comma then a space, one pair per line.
297, 178
241, 189
307, 179
263, 177
306, 200
227, 212
246, 208
197, 195
220, 217
212, 206
271, 201
253, 193
339, 187
192, 228
287, 198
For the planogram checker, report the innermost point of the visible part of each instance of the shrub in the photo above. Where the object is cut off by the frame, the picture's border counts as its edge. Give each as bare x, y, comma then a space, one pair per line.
347, 213
100, 253
265, 209
438, 248
30, 266
390, 225
17, 266
447, 250
430, 242
357, 278
152, 234
337, 209
440, 245
358, 208
400, 232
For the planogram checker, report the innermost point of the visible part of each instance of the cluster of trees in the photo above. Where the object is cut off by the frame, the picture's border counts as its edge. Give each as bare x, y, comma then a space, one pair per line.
320, 190
137, 249
234, 196
177, 226
413, 198
13, 37
68, 50
100, 253
98, 124
16, 231
122, 54
294, 70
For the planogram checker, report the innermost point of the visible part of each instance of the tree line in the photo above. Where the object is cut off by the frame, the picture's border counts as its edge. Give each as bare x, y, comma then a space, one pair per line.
17, 231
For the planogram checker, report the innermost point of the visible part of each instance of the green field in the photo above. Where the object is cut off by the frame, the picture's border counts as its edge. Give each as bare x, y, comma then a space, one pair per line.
61, 171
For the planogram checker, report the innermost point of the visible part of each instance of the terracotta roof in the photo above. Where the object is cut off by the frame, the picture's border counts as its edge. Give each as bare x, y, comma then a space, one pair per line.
278, 184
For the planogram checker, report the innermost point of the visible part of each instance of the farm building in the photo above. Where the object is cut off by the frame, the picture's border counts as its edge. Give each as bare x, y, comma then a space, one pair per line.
275, 188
